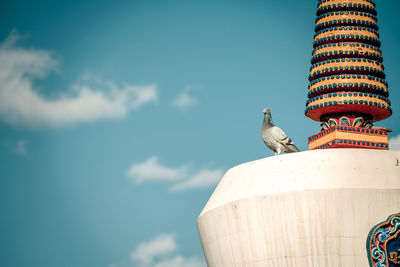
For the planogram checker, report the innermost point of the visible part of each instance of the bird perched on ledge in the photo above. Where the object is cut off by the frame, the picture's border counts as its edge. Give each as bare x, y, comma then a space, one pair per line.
273, 136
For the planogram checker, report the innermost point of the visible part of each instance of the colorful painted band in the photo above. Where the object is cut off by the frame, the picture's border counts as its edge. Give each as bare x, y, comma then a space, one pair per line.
339, 30
334, 53
363, 84
344, 19
347, 2
348, 38
346, 136
349, 51
376, 108
350, 63
350, 98
343, 143
339, 54
339, 66
361, 23
359, 138
347, 45
341, 77
324, 1
348, 13
357, 130
349, 6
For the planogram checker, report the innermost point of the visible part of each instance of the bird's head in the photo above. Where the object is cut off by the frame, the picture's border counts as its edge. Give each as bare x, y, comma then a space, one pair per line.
266, 111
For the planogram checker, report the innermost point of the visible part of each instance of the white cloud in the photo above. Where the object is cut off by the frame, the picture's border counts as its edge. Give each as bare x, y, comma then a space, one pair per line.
152, 170
22, 104
161, 251
201, 179
183, 177
146, 252
180, 261
185, 99
21, 148
394, 143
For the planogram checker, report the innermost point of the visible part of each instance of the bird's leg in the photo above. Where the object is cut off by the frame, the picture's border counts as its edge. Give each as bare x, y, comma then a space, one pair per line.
276, 153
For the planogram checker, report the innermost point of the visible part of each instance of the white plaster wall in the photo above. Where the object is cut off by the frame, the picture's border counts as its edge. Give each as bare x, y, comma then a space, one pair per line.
311, 208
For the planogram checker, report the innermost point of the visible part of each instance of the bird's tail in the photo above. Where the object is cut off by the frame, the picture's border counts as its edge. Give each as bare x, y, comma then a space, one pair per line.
292, 148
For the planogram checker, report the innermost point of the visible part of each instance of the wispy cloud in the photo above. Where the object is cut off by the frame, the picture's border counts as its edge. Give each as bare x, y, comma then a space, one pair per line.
185, 99
202, 179
146, 252
21, 104
152, 170
394, 142
182, 178
160, 251
21, 148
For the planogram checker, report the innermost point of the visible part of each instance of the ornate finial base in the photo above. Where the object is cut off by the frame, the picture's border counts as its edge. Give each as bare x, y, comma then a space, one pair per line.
349, 132
349, 137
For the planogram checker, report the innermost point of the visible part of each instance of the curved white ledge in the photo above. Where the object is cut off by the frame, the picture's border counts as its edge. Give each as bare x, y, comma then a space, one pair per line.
309, 170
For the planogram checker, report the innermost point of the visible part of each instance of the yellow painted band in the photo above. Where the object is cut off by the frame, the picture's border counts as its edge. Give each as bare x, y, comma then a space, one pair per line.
361, 50
345, 32
331, 2
363, 79
347, 136
341, 99
350, 63
345, 16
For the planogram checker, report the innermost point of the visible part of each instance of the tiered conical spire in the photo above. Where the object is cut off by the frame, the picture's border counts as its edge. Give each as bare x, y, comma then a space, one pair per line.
347, 90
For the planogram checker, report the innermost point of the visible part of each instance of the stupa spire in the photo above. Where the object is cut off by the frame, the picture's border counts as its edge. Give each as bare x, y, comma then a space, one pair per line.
347, 90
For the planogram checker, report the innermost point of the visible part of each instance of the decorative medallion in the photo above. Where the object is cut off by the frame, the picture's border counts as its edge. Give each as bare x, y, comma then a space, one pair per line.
383, 243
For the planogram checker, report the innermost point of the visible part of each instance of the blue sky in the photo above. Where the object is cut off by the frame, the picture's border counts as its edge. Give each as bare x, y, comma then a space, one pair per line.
118, 118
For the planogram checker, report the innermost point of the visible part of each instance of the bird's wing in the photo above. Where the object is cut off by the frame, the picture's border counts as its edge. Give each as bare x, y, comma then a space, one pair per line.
265, 134
279, 136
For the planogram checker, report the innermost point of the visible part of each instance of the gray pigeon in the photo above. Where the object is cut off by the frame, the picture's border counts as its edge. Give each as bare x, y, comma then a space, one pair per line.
273, 136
